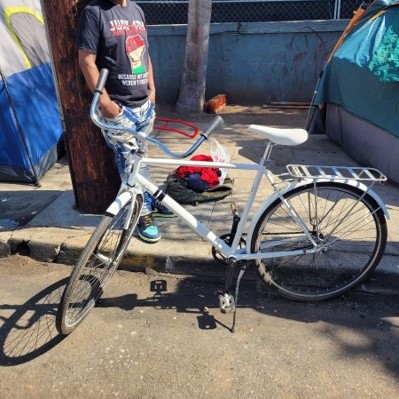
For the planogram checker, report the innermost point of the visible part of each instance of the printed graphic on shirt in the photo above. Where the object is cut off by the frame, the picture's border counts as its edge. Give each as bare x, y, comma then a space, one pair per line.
135, 46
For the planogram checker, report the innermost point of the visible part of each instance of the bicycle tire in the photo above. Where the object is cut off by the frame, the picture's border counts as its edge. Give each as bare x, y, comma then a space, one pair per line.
349, 224
95, 266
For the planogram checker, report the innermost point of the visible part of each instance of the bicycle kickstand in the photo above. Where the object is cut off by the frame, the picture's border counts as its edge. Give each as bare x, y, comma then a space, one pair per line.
227, 302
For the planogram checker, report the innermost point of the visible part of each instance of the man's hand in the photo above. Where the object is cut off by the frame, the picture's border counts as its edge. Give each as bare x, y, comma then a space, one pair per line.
109, 108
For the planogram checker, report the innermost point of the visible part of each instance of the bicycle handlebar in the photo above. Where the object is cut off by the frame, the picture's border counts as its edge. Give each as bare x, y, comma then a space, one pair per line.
216, 122
144, 136
101, 80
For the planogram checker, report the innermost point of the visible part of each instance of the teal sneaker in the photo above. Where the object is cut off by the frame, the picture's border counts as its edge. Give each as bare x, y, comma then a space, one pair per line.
147, 229
161, 211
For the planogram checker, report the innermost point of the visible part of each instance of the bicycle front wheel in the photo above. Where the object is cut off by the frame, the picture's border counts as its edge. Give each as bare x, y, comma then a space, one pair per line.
349, 228
96, 265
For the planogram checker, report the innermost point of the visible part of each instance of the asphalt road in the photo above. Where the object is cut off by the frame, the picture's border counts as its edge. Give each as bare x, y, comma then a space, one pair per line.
140, 343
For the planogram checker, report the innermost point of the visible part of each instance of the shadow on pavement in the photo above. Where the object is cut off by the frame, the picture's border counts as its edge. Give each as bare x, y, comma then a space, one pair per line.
30, 330
191, 297
18, 208
363, 325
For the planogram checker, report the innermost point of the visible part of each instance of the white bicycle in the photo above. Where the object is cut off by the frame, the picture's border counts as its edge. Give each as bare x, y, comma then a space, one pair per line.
319, 235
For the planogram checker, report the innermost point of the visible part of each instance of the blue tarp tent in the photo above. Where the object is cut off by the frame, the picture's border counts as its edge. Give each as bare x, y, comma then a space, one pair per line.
30, 123
356, 101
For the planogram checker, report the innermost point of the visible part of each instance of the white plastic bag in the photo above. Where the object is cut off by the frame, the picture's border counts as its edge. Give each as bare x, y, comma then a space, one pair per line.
219, 153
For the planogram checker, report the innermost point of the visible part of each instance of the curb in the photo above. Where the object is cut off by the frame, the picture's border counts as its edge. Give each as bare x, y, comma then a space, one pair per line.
63, 246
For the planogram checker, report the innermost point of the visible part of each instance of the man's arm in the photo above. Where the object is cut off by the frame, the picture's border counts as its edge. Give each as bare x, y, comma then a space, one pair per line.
151, 82
87, 63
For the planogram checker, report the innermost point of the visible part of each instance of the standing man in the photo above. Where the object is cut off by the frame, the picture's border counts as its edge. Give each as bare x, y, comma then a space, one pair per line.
112, 34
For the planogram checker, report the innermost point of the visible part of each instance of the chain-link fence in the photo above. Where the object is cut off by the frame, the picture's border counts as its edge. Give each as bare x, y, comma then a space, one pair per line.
161, 12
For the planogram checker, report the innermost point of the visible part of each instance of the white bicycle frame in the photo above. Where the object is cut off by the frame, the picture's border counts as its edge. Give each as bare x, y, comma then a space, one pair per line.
233, 251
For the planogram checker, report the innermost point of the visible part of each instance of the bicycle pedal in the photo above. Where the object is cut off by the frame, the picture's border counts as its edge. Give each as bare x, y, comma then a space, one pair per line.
227, 303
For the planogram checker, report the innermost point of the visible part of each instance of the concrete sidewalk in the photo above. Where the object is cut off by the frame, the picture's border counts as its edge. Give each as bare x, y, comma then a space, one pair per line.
43, 222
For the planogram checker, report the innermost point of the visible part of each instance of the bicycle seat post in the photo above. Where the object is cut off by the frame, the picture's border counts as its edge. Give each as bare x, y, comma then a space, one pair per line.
236, 220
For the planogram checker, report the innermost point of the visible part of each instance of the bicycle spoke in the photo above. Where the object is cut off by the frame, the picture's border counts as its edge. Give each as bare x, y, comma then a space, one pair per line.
96, 265
349, 232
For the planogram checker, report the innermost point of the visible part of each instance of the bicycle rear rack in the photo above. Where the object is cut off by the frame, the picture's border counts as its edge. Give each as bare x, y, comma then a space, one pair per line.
316, 172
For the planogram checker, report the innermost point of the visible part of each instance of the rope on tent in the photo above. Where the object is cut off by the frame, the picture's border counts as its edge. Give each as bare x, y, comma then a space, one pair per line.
19, 127
352, 23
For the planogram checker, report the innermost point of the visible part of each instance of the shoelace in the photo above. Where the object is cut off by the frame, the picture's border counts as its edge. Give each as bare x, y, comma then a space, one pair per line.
147, 220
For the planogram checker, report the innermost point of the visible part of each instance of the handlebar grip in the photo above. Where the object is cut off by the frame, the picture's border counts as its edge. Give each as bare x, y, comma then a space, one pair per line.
101, 80
216, 122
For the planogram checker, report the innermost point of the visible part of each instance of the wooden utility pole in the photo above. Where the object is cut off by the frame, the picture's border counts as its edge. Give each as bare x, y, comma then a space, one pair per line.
192, 90
94, 175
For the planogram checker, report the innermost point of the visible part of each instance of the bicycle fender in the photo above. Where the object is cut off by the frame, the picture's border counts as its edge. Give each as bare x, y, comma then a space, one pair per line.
120, 201
295, 184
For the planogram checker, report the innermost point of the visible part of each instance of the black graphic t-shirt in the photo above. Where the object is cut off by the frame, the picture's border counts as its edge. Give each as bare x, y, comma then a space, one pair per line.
118, 37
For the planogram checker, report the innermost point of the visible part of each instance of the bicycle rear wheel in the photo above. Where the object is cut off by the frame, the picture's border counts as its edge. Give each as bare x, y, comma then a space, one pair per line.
345, 222
96, 265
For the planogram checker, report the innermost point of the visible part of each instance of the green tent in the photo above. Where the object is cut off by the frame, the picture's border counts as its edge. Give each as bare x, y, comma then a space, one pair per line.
356, 101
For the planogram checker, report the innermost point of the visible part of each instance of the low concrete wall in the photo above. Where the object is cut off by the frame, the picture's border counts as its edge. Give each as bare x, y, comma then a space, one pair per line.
253, 63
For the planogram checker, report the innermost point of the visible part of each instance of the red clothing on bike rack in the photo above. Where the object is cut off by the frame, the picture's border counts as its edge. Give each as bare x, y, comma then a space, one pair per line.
208, 175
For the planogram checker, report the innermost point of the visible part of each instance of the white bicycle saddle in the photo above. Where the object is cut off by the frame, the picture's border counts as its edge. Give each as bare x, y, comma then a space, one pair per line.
279, 135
